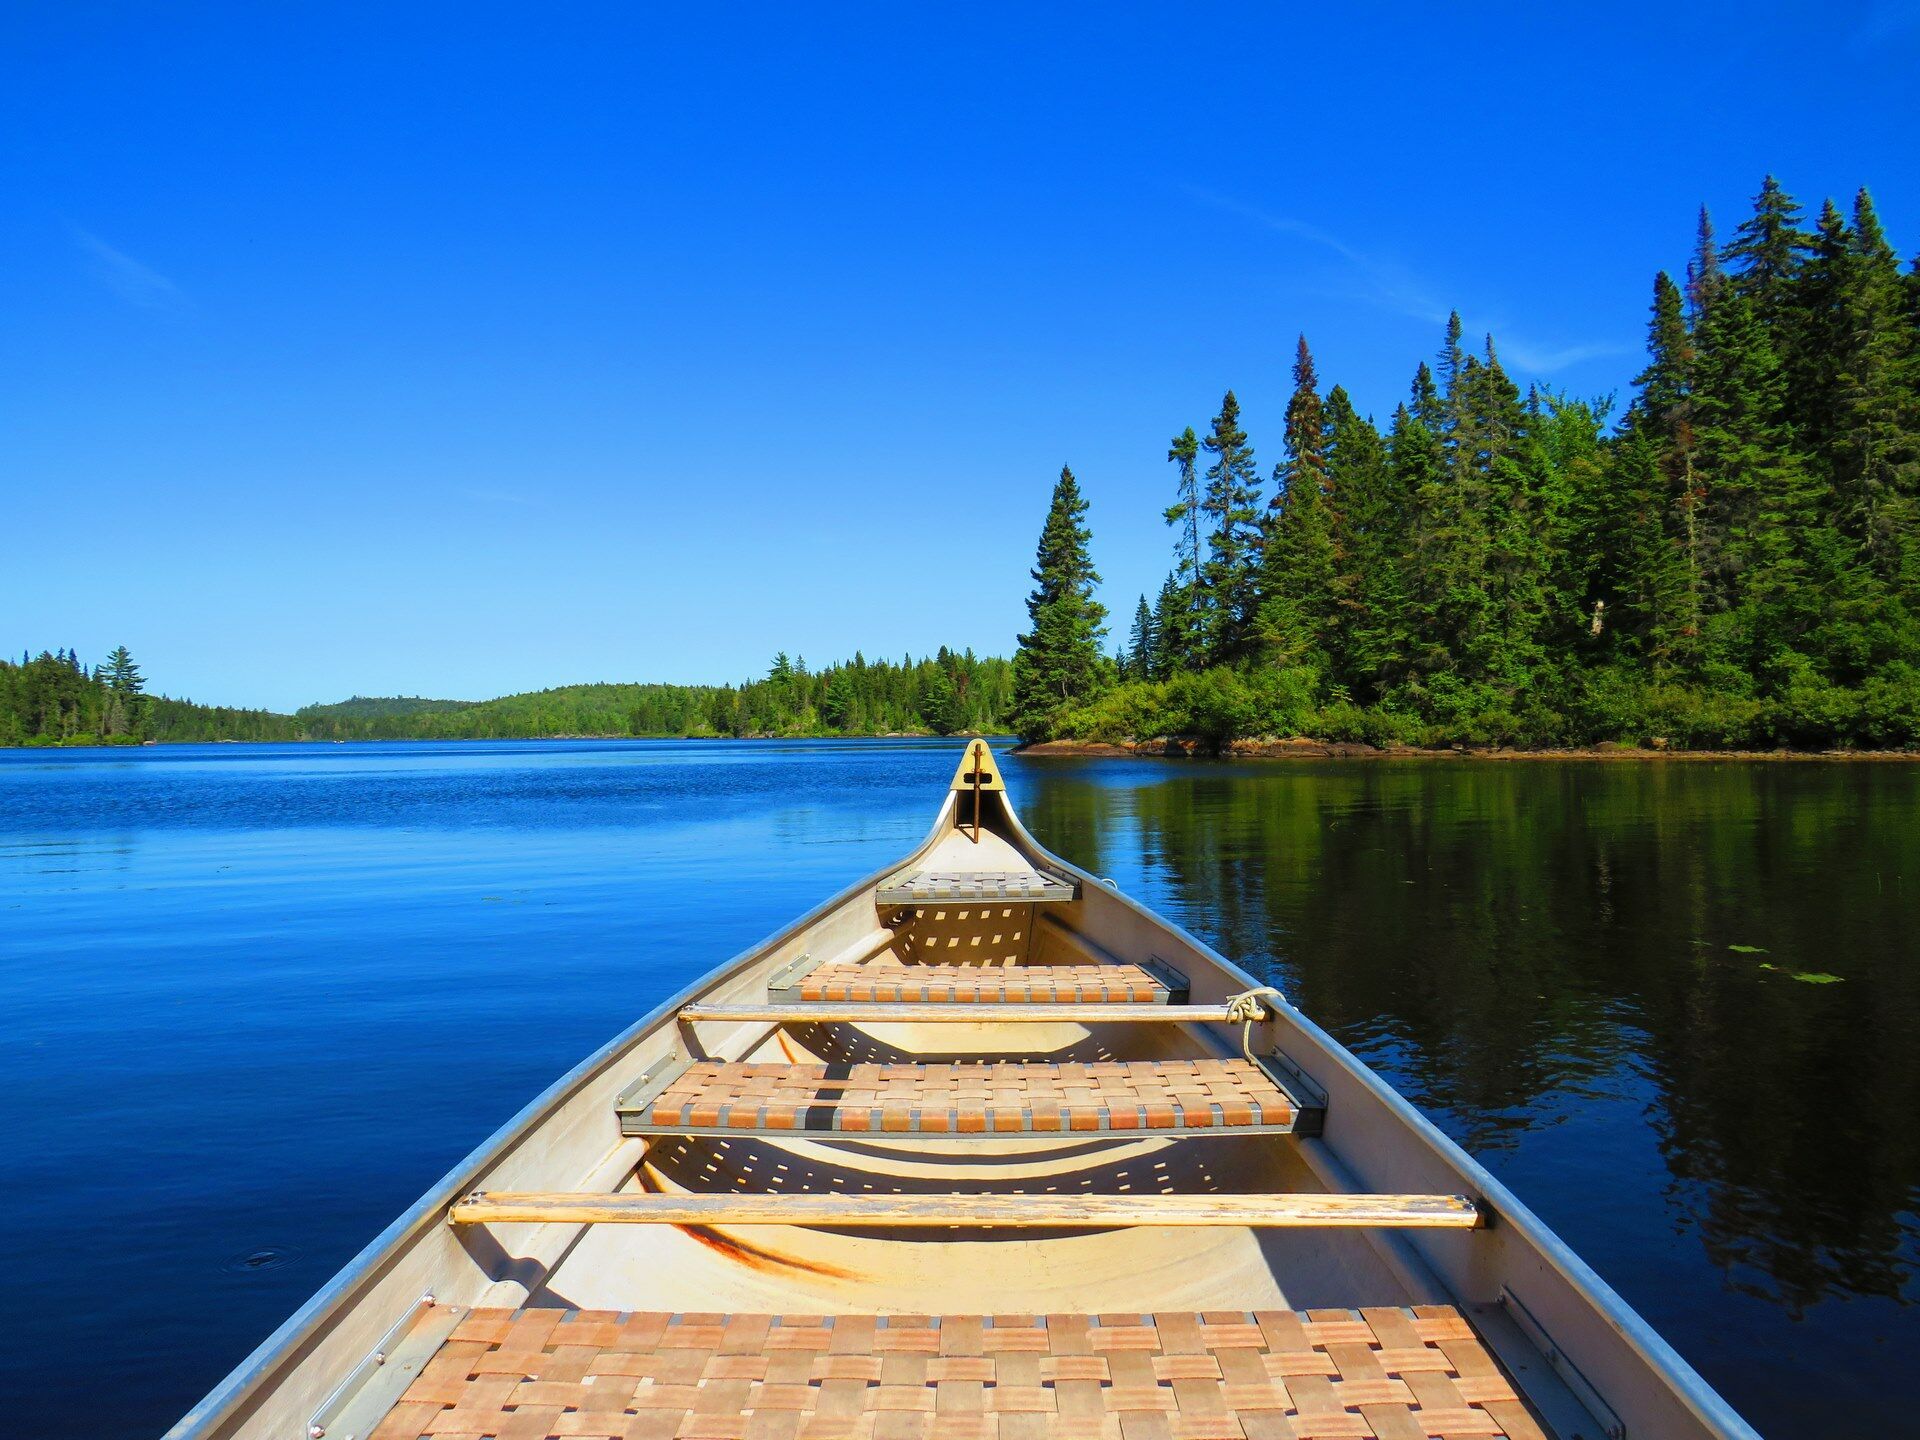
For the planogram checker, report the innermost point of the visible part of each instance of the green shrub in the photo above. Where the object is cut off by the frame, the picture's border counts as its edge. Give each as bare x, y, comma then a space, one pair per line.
1214, 706
1131, 711
1807, 708
1890, 706
1284, 699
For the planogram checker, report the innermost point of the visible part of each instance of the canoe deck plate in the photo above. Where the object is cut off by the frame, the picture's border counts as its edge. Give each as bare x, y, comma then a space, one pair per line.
375, 1385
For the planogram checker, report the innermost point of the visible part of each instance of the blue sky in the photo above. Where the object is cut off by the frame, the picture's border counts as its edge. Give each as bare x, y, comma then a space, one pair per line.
467, 349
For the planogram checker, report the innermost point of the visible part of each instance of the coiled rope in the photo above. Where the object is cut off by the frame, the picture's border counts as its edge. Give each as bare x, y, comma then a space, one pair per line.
1249, 1008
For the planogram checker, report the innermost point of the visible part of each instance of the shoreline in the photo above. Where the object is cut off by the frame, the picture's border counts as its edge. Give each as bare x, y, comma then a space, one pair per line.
1159, 748
1188, 748
95, 743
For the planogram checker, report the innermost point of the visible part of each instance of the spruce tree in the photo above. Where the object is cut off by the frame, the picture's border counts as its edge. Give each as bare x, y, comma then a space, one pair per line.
1370, 529
939, 703
1180, 625
1663, 384
1059, 662
1453, 361
1762, 503
1663, 417
1170, 619
1141, 643
1766, 255
126, 694
1231, 503
1876, 421
1300, 575
1637, 595
1704, 276
1426, 400
1812, 380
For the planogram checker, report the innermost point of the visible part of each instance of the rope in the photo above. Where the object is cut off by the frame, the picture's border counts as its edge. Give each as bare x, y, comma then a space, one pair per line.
1249, 1008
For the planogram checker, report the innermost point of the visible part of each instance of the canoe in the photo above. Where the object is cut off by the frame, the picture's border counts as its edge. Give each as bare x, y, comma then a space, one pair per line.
980, 1149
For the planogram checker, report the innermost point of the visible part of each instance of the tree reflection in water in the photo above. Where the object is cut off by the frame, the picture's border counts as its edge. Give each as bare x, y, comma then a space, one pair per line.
1541, 956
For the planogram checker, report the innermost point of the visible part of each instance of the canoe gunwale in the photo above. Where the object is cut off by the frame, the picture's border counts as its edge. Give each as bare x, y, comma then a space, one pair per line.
1705, 1404
427, 1215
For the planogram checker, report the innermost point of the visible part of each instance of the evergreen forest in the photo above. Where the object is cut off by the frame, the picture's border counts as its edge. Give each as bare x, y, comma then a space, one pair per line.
1728, 560
1732, 562
54, 699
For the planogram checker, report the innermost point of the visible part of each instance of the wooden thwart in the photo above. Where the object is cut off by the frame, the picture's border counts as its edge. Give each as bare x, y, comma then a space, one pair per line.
965, 1013
1044, 1211
940, 984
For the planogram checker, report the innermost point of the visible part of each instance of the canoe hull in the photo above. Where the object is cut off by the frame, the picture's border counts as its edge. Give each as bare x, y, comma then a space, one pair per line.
1527, 1291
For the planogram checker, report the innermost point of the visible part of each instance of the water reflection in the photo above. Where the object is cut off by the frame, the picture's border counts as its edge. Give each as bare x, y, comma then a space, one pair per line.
1714, 958
200, 943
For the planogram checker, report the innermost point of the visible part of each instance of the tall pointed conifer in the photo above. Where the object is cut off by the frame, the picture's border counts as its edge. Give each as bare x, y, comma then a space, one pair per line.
1059, 662
1231, 503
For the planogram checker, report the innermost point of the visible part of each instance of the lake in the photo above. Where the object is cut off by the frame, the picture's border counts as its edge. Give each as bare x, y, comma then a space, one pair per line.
1675, 1005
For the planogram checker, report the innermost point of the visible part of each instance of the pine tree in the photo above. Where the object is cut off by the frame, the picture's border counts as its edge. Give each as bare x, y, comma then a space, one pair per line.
1181, 625
1762, 501
1426, 400
1663, 415
1370, 539
1170, 617
840, 701
1504, 474
1142, 644
1663, 384
1704, 276
1231, 503
1812, 380
1059, 662
1453, 361
939, 704
126, 688
1300, 575
1876, 421
1766, 255
1641, 582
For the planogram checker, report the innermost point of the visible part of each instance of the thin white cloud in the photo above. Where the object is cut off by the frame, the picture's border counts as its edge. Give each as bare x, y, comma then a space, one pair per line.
1545, 359
133, 282
1385, 283
1392, 286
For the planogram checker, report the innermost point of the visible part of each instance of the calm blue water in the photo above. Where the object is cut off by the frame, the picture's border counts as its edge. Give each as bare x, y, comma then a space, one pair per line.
243, 985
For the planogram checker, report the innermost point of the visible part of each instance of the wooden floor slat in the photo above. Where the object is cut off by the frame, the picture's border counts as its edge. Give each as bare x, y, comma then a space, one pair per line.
979, 1101
1039, 1211
1409, 1373
934, 984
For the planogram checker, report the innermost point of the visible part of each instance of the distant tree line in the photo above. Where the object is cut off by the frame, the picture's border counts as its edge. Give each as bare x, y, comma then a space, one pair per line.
1736, 562
945, 694
53, 699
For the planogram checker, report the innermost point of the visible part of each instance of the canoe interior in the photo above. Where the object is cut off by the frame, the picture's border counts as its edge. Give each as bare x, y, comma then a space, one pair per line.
1518, 1288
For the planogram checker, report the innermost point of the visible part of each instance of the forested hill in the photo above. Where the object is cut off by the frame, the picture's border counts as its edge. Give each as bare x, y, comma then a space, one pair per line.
54, 699
944, 694
1732, 562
